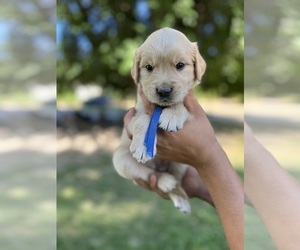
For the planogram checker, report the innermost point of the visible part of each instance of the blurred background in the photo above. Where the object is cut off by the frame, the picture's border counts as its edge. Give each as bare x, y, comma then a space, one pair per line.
27, 125
96, 42
272, 108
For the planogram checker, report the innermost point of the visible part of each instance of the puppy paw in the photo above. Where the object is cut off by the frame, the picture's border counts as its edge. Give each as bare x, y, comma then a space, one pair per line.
139, 152
170, 120
166, 183
182, 204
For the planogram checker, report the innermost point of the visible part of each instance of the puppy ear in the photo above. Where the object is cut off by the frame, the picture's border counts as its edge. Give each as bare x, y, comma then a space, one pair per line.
135, 71
199, 63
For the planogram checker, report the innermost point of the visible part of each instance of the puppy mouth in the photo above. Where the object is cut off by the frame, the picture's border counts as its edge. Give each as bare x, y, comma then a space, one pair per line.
165, 101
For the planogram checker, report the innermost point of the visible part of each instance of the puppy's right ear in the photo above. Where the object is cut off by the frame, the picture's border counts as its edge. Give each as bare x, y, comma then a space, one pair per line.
135, 70
199, 63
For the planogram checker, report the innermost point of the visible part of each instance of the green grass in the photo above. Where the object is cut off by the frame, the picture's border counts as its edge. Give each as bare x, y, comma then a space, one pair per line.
256, 234
97, 209
17, 98
27, 206
68, 99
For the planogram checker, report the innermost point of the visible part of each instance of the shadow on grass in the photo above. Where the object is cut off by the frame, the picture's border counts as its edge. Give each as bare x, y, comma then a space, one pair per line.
97, 209
28, 191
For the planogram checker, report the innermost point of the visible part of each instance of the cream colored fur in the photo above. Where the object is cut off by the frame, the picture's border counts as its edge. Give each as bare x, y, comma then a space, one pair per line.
162, 50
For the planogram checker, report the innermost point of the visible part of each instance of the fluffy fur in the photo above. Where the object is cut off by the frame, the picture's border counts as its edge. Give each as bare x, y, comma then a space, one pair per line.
166, 66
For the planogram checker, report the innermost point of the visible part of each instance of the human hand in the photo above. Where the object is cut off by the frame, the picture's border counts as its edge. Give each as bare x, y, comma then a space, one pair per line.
191, 182
195, 144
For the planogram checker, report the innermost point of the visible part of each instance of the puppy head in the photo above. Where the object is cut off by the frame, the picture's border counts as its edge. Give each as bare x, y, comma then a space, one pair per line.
167, 65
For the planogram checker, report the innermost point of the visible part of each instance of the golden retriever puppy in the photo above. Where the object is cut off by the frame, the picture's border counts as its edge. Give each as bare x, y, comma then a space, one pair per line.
166, 66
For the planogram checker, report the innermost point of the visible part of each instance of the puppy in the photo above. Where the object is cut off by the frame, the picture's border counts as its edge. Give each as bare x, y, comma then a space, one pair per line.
166, 66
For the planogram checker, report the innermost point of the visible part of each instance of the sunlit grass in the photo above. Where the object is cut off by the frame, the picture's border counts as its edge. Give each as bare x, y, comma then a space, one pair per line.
109, 212
17, 99
27, 207
284, 145
98, 209
233, 145
68, 99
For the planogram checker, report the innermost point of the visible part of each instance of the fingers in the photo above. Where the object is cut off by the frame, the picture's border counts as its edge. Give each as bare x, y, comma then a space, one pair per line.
191, 104
190, 100
152, 186
142, 183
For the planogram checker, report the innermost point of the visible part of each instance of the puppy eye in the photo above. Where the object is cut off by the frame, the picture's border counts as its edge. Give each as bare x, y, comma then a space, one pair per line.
180, 65
149, 68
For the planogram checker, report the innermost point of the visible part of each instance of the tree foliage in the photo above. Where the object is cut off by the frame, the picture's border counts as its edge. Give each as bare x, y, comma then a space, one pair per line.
27, 52
99, 39
272, 48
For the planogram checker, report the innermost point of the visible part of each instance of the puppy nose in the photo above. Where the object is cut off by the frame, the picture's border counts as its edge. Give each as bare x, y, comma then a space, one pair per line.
164, 91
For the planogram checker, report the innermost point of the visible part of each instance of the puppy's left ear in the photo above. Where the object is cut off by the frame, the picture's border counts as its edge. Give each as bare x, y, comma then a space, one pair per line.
199, 63
135, 70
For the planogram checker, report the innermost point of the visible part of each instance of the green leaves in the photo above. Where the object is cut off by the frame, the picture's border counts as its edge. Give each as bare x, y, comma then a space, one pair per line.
116, 29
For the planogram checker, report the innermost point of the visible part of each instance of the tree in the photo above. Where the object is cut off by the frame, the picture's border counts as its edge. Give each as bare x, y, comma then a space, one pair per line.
99, 39
28, 53
272, 48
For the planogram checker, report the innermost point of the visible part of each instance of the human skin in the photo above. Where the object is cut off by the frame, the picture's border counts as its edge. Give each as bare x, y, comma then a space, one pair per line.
273, 192
197, 146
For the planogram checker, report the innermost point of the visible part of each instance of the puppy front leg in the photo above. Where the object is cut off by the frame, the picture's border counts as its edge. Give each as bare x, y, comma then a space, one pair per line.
173, 118
128, 167
138, 128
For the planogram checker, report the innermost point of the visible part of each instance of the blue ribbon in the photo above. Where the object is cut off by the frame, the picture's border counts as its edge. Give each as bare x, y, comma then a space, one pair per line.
152, 130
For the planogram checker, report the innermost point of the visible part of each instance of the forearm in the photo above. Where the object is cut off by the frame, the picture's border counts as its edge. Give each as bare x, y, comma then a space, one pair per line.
226, 190
274, 194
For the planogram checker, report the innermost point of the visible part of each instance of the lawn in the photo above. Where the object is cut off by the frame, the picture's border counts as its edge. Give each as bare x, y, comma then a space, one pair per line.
27, 181
97, 209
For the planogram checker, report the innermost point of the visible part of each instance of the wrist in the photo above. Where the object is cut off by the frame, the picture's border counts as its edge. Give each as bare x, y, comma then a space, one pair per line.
211, 155
218, 174
227, 195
